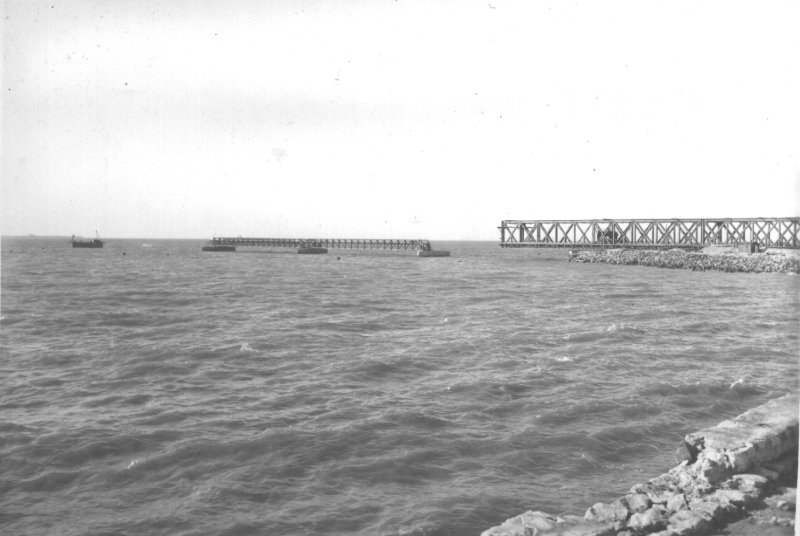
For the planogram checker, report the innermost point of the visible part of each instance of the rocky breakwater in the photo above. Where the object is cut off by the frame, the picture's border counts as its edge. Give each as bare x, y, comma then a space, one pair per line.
726, 475
698, 261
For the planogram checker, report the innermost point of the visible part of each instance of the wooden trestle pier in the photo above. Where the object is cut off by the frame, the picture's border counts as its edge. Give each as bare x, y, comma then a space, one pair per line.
650, 234
230, 243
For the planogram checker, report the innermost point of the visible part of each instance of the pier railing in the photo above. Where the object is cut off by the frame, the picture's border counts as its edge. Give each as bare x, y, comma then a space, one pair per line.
331, 243
653, 234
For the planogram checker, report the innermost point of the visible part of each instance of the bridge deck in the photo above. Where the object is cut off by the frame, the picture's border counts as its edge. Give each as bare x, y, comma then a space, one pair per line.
650, 234
340, 243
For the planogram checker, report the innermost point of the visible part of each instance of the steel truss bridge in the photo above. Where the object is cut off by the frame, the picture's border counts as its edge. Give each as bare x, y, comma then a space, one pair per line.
650, 234
340, 243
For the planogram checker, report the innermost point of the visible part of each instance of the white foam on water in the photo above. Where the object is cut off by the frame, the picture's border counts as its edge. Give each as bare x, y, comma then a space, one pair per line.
134, 463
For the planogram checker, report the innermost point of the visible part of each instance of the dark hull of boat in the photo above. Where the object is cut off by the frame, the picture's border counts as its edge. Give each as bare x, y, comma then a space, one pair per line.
90, 244
219, 248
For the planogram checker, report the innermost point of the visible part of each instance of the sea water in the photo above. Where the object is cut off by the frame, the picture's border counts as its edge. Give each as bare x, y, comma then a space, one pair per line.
151, 388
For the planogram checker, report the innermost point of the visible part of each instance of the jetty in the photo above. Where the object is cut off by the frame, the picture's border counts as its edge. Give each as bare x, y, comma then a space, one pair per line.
710, 258
321, 245
738, 477
689, 234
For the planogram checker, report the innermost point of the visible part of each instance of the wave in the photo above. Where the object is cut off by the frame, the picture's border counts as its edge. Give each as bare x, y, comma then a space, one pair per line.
351, 327
49, 481
417, 420
579, 411
613, 330
123, 400
11, 320
718, 388
410, 468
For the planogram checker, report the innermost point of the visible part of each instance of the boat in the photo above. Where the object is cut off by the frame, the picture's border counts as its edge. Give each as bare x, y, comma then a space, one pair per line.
94, 243
425, 250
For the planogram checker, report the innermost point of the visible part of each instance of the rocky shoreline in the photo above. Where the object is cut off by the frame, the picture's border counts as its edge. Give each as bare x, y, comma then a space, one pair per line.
784, 262
740, 476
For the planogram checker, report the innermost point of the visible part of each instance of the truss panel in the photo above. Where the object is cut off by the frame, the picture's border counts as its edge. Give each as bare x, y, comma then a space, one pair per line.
651, 234
330, 243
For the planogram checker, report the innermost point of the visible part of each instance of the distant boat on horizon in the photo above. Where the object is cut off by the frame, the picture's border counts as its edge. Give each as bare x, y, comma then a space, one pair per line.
94, 243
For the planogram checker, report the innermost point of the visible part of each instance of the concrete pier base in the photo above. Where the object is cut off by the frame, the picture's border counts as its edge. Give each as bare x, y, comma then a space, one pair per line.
728, 476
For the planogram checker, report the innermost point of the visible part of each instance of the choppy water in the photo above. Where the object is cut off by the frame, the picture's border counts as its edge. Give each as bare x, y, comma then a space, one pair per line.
170, 391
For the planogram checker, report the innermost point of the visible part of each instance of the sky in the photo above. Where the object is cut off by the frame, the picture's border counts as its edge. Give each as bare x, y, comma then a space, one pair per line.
428, 119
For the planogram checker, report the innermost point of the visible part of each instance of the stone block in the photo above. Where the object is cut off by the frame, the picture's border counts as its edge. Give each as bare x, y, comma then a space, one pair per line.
611, 513
768, 473
688, 523
758, 435
530, 523
687, 452
637, 502
663, 483
661, 488
659, 497
677, 502
644, 488
782, 470
754, 486
718, 508
714, 466
684, 479
585, 528
699, 489
651, 520
731, 496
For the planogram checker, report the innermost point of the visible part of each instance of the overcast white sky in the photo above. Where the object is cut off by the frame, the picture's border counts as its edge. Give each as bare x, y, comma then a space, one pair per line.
393, 118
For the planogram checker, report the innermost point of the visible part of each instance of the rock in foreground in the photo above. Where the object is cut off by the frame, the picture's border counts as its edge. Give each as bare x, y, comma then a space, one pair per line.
726, 473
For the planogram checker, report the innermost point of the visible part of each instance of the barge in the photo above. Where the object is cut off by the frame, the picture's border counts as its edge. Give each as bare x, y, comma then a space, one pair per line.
94, 243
